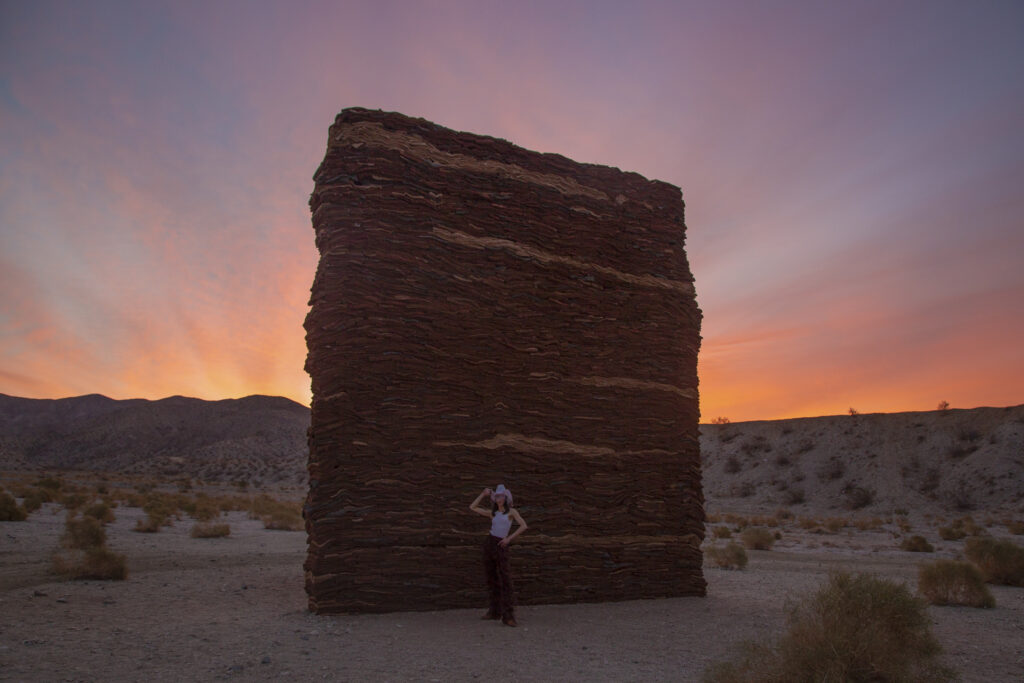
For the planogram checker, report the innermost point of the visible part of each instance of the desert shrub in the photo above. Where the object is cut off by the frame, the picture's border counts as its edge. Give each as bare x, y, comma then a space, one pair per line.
835, 524
51, 483
856, 628
917, 544
210, 530
868, 523
100, 512
10, 511
97, 563
732, 465
795, 496
951, 533
148, 524
739, 521
783, 513
757, 538
81, 533
953, 583
73, 501
276, 514
832, 470
32, 500
1000, 561
721, 421
807, 523
1015, 527
858, 497
721, 532
731, 556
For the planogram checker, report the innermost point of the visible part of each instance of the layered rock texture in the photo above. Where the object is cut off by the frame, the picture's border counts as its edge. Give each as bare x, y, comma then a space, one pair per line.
485, 314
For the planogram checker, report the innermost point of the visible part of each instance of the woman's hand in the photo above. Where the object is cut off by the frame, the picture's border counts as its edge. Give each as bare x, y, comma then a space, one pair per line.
486, 492
503, 542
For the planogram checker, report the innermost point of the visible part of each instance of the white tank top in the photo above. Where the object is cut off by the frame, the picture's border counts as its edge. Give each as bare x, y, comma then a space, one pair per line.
500, 524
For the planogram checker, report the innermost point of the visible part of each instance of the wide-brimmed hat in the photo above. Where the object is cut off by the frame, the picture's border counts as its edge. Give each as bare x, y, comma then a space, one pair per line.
502, 491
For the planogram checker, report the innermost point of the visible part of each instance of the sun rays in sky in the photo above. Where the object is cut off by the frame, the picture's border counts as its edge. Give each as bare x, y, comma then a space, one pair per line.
852, 175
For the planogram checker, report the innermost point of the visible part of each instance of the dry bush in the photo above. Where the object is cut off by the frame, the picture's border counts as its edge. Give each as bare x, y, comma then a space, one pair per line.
73, 500
946, 582
856, 628
858, 497
148, 525
712, 518
783, 513
50, 483
832, 470
736, 520
721, 532
904, 524
732, 465
764, 520
81, 533
757, 538
97, 562
100, 512
1016, 528
835, 524
275, 514
951, 533
210, 530
731, 556
10, 511
808, 523
868, 523
917, 544
959, 528
1000, 561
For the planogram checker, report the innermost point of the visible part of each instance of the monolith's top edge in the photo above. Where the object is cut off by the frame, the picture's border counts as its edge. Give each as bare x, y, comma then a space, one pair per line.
497, 149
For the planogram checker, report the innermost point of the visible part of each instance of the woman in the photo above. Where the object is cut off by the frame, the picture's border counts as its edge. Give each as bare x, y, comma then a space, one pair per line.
499, 577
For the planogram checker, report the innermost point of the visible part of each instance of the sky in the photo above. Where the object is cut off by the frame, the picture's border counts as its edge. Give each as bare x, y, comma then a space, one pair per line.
853, 174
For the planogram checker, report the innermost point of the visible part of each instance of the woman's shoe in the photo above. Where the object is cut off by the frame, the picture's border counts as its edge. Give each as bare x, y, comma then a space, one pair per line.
511, 621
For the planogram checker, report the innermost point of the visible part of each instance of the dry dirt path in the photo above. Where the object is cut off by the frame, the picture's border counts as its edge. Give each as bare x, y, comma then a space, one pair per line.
234, 608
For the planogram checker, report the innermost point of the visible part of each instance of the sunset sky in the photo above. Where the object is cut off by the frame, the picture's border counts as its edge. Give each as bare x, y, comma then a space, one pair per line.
853, 174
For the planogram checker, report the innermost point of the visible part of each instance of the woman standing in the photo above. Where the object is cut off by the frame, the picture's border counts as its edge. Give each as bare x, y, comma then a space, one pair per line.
499, 577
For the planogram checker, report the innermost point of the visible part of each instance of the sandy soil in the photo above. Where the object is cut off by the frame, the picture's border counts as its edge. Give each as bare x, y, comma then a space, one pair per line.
234, 608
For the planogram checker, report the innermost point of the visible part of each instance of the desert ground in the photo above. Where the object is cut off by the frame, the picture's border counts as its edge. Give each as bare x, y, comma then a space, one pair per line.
235, 608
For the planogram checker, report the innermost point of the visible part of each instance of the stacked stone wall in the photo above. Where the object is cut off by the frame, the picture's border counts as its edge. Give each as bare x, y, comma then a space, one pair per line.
485, 314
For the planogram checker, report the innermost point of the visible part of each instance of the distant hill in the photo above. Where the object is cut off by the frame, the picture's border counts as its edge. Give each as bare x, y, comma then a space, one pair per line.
257, 438
939, 461
949, 461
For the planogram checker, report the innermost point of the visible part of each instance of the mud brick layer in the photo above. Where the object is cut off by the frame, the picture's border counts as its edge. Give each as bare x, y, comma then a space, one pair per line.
485, 314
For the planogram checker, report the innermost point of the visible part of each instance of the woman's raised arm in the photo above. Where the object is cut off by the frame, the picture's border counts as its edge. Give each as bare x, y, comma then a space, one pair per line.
475, 505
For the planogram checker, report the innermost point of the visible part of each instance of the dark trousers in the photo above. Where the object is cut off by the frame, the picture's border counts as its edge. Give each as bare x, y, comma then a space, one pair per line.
499, 579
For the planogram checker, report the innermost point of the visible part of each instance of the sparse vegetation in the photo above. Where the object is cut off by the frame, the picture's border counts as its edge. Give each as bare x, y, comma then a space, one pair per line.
101, 512
721, 421
201, 530
732, 465
275, 514
795, 496
10, 511
832, 470
1000, 561
1015, 527
858, 497
757, 538
81, 533
943, 406
721, 532
946, 582
856, 628
960, 528
917, 544
731, 556
86, 554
